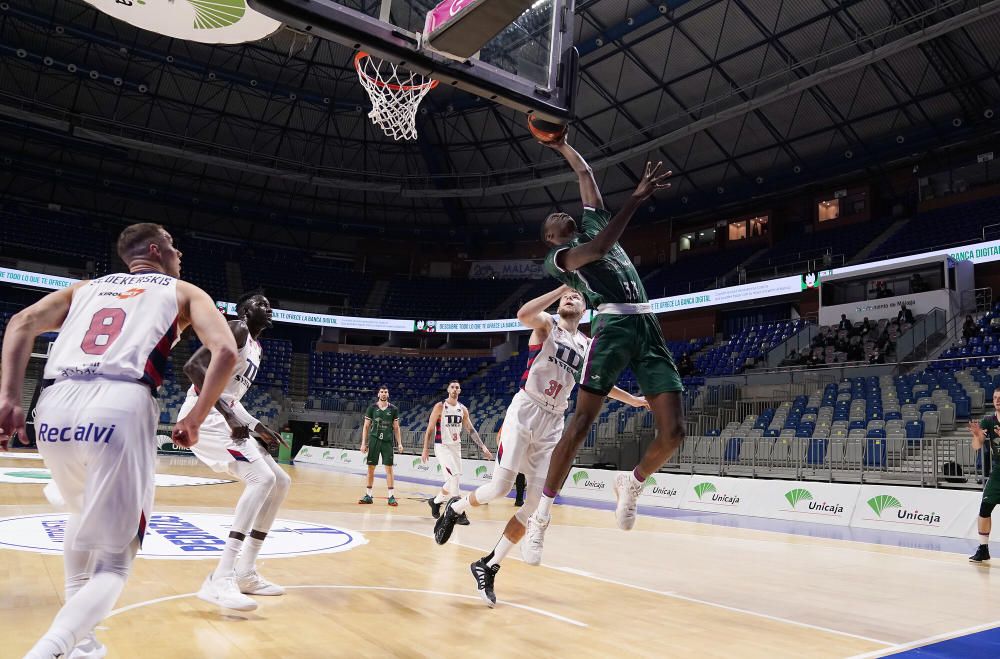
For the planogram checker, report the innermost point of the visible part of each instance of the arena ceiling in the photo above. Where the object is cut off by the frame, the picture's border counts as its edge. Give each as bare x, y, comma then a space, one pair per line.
739, 97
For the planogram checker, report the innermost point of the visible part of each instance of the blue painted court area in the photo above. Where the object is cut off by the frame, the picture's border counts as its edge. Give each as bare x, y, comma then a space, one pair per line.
981, 644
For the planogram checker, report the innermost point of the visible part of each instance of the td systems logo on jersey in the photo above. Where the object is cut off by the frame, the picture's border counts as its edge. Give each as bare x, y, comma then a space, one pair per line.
88, 433
185, 536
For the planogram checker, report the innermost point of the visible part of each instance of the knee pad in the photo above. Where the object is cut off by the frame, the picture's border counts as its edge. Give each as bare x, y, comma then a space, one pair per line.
986, 509
499, 486
531, 498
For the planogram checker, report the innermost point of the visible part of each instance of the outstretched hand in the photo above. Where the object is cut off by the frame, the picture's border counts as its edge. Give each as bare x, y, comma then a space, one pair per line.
977, 430
652, 181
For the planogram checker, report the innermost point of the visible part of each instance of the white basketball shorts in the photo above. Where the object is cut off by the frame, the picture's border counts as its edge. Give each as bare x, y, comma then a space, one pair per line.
449, 456
216, 446
528, 436
98, 437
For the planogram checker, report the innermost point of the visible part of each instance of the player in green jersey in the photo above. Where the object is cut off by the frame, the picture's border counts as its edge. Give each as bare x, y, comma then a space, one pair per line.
625, 334
987, 433
381, 427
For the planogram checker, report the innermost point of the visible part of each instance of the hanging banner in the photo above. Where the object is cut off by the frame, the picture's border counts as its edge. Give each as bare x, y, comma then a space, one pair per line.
521, 269
206, 21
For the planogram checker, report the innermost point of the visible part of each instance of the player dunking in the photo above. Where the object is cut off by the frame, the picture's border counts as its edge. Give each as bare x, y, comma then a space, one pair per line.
226, 446
381, 427
532, 425
625, 333
96, 424
446, 422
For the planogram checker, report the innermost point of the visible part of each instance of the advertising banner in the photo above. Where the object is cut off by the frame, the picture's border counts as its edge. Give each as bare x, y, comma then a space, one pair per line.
822, 503
207, 21
742, 293
34, 279
522, 269
588, 483
917, 510
663, 490
918, 303
721, 495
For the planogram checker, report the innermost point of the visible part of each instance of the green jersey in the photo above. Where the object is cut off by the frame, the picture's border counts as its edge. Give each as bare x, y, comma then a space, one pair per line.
382, 421
611, 279
992, 428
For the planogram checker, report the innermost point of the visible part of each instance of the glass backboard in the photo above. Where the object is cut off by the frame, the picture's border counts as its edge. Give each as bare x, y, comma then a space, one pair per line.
530, 65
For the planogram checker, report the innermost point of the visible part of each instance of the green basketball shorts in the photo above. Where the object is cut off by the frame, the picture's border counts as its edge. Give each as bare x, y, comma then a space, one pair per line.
634, 341
379, 447
991, 493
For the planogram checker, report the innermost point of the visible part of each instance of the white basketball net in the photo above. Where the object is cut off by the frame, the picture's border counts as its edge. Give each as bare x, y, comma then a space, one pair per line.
395, 94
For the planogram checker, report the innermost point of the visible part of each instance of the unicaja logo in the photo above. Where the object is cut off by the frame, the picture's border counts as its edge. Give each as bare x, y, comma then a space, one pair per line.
482, 472
883, 502
702, 488
582, 479
419, 464
344, 457
657, 489
325, 454
794, 496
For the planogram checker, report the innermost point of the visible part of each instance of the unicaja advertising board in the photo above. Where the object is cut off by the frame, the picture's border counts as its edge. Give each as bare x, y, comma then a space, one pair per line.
207, 21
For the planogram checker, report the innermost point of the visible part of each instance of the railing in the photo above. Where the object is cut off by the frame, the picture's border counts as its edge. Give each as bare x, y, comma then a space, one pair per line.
928, 332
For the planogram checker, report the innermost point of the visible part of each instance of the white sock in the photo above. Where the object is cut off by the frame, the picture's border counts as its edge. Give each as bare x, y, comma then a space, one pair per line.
368, 491
391, 491
440, 497
80, 615
228, 560
248, 556
635, 481
500, 551
544, 505
461, 505
984, 538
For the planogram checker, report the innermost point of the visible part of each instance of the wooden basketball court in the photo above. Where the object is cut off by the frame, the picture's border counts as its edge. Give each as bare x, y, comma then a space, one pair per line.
668, 588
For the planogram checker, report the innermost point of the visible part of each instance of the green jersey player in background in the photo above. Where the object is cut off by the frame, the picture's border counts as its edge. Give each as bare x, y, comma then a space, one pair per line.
381, 427
624, 334
986, 433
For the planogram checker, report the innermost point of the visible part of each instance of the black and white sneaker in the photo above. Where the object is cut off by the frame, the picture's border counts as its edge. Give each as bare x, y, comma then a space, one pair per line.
435, 508
982, 554
485, 575
463, 520
446, 523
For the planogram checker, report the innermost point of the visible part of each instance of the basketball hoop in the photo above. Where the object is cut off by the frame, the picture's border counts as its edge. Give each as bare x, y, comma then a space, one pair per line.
395, 94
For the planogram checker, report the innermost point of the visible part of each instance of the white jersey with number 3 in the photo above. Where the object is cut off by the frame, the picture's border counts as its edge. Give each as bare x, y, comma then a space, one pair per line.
119, 326
554, 367
449, 426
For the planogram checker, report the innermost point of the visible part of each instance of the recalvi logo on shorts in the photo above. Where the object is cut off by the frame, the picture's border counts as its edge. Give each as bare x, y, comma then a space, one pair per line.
83, 433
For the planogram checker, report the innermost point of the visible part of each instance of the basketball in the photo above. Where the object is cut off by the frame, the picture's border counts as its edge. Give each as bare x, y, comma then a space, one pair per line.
546, 132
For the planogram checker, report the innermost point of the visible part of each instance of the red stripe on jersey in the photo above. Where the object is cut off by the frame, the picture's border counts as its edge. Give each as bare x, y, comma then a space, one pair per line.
533, 351
156, 363
142, 527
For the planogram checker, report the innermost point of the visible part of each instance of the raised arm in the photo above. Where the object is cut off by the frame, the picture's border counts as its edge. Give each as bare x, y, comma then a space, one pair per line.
590, 194
467, 423
46, 315
978, 435
533, 315
431, 423
577, 257
198, 310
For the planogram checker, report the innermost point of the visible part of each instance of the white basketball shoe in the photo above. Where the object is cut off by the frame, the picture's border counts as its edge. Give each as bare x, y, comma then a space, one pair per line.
225, 593
252, 583
534, 538
627, 492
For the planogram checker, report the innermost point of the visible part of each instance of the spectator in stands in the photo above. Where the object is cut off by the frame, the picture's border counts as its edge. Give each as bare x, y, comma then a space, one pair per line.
855, 352
844, 324
917, 284
904, 315
882, 291
866, 326
877, 357
686, 367
791, 359
841, 345
969, 329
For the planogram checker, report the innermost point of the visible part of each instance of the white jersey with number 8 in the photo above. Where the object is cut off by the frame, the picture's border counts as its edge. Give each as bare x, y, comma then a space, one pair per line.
120, 327
554, 367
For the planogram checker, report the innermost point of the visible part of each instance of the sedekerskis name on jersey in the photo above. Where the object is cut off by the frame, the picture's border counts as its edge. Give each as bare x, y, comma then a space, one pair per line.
131, 280
88, 433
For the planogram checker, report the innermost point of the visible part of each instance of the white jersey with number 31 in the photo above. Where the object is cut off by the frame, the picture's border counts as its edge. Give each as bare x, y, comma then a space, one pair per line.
119, 326
554, 367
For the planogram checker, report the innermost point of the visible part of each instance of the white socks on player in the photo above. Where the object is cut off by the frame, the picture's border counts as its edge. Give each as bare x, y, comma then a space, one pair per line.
248, 555
984, 538
545, 505
440, 497
392, 491
266, 487
368, 491
461, 505
500, 551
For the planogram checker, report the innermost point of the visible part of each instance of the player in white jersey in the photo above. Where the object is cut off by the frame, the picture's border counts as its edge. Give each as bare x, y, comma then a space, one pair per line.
532, 426
226, 446
96, 422
446, 423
